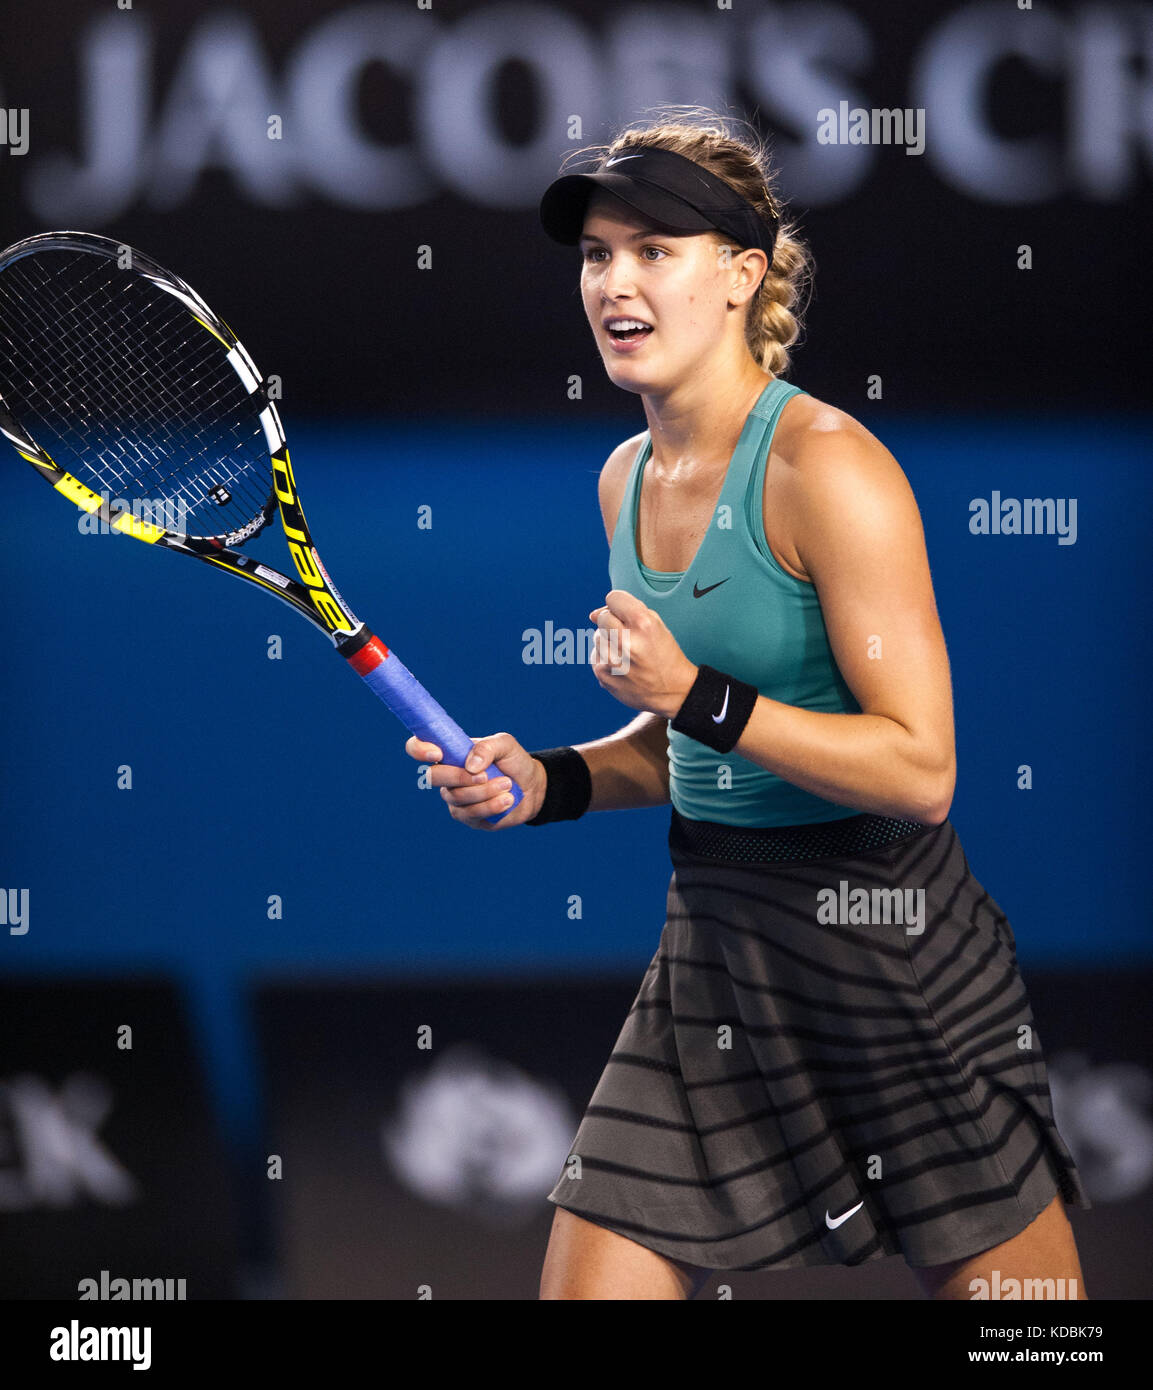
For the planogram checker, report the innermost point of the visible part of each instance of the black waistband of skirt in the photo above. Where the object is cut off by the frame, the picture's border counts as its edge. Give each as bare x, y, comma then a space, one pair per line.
783, 843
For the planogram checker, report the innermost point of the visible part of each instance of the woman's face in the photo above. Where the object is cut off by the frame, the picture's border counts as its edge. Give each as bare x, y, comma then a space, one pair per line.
675, 282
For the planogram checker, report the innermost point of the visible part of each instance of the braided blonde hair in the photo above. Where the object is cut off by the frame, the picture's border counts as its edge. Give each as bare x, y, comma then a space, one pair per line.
734, 150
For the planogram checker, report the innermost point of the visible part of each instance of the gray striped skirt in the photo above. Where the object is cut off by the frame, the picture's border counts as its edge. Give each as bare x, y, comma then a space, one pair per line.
831, 1058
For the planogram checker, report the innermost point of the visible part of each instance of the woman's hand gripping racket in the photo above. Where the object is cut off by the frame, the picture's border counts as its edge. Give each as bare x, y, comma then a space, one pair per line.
121, 387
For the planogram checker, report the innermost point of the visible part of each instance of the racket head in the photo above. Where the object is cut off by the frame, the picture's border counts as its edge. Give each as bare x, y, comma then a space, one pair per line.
121, 386
135, 400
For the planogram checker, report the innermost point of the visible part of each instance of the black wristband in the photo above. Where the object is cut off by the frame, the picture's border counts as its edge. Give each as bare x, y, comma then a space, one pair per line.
716, 710
569, 787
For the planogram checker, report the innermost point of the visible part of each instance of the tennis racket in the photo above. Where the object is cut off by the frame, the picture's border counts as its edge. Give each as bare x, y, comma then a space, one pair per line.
124, 390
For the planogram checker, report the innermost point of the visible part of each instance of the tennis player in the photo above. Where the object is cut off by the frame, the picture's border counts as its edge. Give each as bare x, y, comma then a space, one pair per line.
832, 1056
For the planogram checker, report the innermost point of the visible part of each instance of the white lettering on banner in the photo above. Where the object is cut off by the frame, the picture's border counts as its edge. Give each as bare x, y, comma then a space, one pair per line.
800, 61
334, 154
1102, 1109
477, 1133
1094, 53
147, 140
50, 1155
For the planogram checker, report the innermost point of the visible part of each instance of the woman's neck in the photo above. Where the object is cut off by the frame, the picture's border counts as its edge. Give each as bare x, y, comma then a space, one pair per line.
697, 425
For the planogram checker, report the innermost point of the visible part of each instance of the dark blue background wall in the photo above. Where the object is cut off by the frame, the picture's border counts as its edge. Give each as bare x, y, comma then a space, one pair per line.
254, 777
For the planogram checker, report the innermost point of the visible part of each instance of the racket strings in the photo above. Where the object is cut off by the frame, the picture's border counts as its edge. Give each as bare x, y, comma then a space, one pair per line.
124, 463
130, 457
144, 471
101, 422
70, 345
135, 332
114, 379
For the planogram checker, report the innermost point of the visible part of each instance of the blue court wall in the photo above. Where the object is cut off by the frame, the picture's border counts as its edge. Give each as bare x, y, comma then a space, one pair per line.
254, 777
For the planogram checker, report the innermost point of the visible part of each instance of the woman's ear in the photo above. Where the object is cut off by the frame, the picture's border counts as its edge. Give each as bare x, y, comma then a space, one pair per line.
752, 266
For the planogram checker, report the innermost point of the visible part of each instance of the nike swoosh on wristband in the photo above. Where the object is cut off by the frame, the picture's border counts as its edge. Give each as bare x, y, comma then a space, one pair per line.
834, 1221
720, 718
698, 592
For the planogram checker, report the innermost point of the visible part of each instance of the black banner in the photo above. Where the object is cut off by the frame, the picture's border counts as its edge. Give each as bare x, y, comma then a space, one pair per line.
113, 1179
354, 187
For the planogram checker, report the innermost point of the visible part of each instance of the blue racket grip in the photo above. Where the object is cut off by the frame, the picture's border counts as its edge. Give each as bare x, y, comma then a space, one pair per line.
387, 676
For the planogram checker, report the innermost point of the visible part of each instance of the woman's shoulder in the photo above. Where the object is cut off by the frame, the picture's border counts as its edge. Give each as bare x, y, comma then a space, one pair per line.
829, 472
614, 478
810, 429
817, 447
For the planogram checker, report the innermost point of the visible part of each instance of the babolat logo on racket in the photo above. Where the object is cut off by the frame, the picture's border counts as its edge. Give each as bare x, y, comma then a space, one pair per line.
292, 519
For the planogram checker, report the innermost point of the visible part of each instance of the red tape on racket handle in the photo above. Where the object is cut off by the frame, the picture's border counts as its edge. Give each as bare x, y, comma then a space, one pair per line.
387, 676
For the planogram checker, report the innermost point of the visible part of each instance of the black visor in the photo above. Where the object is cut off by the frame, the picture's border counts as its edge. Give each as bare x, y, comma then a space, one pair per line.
666, 188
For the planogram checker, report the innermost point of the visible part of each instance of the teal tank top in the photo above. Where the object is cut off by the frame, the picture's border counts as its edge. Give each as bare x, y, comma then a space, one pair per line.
736, 609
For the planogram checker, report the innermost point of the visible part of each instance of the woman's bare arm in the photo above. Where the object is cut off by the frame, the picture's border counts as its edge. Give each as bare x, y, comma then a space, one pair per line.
631, 767
858, 533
